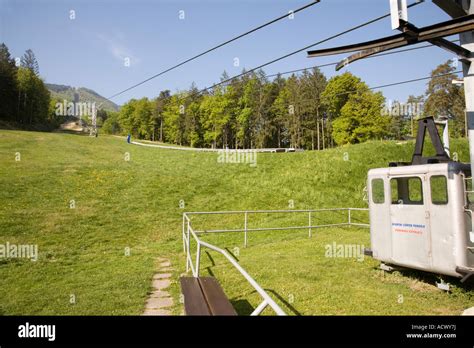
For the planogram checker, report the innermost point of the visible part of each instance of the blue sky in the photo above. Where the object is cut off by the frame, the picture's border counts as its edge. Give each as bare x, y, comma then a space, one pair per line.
90, 50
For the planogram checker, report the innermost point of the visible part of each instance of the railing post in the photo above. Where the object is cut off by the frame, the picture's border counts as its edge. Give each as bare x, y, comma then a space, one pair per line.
184, 241
349, 215
245, 229
259, 308
310, 224
187, 249
198, 259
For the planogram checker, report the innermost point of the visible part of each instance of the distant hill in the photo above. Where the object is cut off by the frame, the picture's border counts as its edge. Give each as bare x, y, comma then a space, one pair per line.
85, 95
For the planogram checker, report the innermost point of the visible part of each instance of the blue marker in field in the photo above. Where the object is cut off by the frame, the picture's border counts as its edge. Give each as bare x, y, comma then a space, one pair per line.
128, 138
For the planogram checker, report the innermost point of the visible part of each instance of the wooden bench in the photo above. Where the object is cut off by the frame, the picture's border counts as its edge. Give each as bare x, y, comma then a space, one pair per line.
204, 296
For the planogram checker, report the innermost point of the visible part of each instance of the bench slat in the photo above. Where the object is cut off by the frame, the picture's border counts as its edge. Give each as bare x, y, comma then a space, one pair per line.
194, 301
215, 297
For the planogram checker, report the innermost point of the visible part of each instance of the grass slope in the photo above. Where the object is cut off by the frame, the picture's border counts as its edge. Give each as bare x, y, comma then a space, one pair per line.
134, 204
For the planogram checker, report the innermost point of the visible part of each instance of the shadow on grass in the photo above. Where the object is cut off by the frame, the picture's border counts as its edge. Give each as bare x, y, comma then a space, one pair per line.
232, 254
285, 302
243, 307
210, 258
431, 278
209, 268
72, 132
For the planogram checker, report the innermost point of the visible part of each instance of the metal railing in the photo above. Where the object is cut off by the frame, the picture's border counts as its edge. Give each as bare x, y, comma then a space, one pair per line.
309, 227
267, 300
188, 233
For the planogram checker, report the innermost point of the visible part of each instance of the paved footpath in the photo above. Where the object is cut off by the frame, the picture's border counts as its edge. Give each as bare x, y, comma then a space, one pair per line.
160, 301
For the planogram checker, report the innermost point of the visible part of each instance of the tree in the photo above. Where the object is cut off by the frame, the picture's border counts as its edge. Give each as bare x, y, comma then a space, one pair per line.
278, 110
160, 104
255, 112
192, 118
260, 103
313, 84
361, 119
214, 118
8, 85
125, 118
281, 109
246, 116
173, 115
396, 112
29, 61
111, 124
338, 91
443, 98
233, 97
102, 115
34, 98
143, 119
294, 119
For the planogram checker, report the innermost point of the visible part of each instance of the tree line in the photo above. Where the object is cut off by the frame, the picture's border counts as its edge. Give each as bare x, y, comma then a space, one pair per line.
24, 99
306, 111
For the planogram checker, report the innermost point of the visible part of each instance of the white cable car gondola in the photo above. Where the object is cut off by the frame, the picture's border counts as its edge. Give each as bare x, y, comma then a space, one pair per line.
420, 213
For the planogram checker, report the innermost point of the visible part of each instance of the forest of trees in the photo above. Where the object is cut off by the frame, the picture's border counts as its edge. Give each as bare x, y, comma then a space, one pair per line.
256, 112
306, 111
25, 100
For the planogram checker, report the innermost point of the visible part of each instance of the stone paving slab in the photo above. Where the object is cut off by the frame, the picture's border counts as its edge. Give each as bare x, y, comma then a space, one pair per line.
157, 312
162, 275
160, 293
160, 299
159, 302
164, 264
161, 283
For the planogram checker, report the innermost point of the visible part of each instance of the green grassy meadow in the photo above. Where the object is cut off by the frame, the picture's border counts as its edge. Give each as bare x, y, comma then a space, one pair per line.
134, 205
